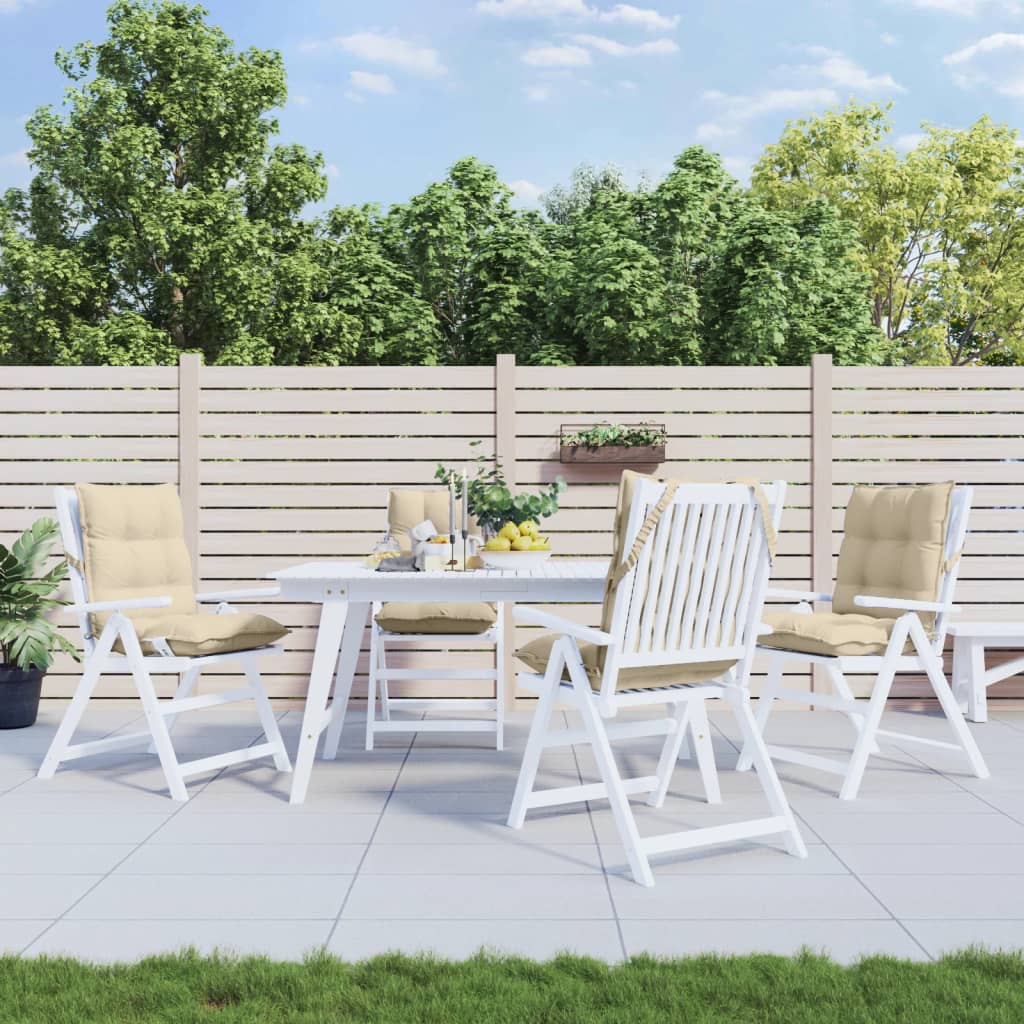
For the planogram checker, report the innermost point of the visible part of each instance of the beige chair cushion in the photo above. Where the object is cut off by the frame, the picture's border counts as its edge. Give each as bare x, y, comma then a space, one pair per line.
535, 655
827, 633
893, 546
437, 617
193, 636
408, 508
133, 543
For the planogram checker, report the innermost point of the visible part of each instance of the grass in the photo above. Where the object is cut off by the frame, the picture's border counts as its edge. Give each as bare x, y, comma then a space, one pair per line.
972, 986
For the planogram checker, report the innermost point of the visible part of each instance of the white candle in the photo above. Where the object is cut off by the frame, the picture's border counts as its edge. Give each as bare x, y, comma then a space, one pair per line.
451, 509
465, 501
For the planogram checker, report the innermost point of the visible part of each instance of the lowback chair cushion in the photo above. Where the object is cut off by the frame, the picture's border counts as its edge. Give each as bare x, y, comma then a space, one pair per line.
893, 546
406, 509
133, 545
535, 653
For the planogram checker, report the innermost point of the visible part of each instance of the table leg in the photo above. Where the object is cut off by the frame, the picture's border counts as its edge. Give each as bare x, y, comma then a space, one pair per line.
977, 698
352, 641
314, 717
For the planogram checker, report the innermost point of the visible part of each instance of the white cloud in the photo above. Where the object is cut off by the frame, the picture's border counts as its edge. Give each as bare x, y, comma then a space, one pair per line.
993, 62
628, 85
387, 49
371, 81
966, 8
840, 70
550, 56
301, 101
773, 101
888, 39
612, 47
332, 171
19, 158
711, 130
911, 140
640, 17
354, 97
13, 6
527, 193
537, 93
534, 8
738, 166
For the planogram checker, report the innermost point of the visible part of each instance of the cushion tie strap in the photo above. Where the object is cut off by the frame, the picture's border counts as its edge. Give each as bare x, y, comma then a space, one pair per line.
77, 564
950, 562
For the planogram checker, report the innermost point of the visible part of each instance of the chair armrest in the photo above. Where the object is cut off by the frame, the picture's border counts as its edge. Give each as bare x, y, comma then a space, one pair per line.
589, 635
122, 605
899, 604
798, 595
238, 595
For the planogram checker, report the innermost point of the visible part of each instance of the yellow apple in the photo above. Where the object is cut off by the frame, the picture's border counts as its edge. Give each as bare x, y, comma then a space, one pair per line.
498, 544
522, 544
529, 527
509, 530
540, 544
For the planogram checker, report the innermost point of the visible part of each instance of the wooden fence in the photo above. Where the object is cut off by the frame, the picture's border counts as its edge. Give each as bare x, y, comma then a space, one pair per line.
278, 465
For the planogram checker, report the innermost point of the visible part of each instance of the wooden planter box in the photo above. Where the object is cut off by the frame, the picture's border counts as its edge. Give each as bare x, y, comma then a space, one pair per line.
612, 454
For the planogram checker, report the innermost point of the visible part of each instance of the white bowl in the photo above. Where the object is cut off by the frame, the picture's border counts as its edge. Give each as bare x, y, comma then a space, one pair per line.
514, 559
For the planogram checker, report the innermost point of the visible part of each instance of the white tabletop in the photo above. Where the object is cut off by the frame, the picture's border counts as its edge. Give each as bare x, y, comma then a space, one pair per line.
989, 628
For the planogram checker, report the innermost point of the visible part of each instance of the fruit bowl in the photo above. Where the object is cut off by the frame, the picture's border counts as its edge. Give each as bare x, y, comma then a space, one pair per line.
513, 559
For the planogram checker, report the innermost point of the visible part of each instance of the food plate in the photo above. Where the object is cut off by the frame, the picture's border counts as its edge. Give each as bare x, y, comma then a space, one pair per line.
513, 559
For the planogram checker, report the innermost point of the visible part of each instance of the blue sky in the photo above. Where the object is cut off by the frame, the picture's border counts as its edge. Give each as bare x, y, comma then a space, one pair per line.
393, 91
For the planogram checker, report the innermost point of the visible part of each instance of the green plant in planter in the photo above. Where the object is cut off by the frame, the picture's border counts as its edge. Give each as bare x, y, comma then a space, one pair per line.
28, 639
492, 502
601, 435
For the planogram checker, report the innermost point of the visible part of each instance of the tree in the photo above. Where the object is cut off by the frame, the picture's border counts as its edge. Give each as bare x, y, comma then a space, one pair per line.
939, 228
160, 218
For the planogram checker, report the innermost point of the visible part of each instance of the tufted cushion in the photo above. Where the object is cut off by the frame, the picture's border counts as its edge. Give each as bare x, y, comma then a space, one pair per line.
407, 508
193, 636
468, 617
827, 633
535, 655
893, 546
133, 543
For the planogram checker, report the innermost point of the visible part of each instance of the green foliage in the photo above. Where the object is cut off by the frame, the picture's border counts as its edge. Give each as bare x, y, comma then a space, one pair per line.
485, 989
491, 500
27, 638
633, 435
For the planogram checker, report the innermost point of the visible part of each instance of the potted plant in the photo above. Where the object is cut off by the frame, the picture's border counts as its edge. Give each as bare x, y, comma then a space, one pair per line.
491, 501
27, 638
635, 443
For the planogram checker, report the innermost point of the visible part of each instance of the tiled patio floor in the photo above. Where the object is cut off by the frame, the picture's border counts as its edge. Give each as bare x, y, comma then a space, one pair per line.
406, 848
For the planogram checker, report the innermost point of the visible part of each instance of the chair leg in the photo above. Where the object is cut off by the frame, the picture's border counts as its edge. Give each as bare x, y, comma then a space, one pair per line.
268, 721
535, 740
188, 682
499, 682
154, 719
764, 708
842, 689
76, 709
739, 699
933, 666
876, 706
700, 729
670, 753
371, 687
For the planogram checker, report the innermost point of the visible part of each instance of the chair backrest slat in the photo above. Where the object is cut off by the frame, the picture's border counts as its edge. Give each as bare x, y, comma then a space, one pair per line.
71, 535
956, 536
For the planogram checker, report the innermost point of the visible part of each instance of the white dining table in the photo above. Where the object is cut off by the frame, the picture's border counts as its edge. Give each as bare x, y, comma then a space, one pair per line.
346, 592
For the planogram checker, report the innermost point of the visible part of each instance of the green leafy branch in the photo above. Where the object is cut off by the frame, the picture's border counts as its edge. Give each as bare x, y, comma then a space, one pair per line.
601, 435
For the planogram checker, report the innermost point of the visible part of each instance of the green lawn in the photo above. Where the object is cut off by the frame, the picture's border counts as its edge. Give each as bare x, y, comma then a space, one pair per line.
972, 986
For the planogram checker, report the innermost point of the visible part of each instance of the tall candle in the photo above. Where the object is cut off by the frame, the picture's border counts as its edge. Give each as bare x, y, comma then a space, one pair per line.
465, 501
451, 510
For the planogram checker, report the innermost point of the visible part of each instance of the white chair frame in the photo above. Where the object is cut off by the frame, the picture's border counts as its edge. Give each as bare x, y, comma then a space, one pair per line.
710, 611
380, 673
866, 715
160, 715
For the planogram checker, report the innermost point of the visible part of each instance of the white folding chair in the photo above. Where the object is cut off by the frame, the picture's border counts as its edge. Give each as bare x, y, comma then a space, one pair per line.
119, 631
481, 625
873, 609
679, 628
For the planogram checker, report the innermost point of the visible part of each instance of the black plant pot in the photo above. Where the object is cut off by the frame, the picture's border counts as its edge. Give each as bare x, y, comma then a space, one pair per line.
19, 696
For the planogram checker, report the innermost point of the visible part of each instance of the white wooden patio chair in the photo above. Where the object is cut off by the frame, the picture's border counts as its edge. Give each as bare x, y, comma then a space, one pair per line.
139, 532
890, 608
679, 627
407, 625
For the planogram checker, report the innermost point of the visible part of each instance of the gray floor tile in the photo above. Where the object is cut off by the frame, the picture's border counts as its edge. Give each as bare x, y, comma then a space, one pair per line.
272, 827
498, 859
460, 939
842, 826
478, 897
940, 937
733, 897
126, 941
407, 828
1005, 859
214, 897
287, 859
837, 939
54, 859
214, 800
16, 935
41, 896
110, 827
110, 800
948, 897
765, 856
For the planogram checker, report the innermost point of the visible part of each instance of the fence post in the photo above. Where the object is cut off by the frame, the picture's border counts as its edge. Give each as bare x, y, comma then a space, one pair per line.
189, 364
505, 454
821, 487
